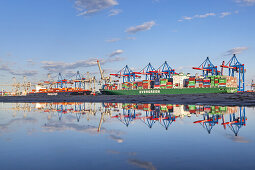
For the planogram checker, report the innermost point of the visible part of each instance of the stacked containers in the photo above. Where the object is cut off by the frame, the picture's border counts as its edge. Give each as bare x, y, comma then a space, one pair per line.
152, 83
185, 82
146, 84
216, 81
222, 81
212, 81
169, 84
199, 83
206, 83
156, 84
163, 83
114, 87
231, 81
134, 85
127, 86
139, 85
192, 81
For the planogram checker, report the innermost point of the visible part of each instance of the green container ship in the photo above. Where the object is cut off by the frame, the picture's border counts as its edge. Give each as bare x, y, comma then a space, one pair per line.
170, 91
165, 80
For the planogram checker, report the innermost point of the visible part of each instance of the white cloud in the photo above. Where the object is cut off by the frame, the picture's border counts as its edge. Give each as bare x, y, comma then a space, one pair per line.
204, 15
114, 12
116, 52
131, 38
197, 16
246, 2
5, 67
143, 27
86, 7
52, 66
113, 40
223, 14
236, 50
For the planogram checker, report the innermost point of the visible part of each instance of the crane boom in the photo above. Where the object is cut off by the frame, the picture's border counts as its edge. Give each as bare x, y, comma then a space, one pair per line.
100, 69
106, 79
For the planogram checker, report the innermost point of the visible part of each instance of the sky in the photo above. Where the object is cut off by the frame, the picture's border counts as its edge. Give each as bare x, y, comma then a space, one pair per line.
64, 36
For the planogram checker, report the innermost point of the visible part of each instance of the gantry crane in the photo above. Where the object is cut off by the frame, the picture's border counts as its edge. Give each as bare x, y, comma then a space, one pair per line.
166, 70
208, 68
149, 71
127, 74
234, 66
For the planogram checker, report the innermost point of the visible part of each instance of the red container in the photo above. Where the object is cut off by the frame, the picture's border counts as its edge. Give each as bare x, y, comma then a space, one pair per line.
207, 86
156, 86
206, 81
169, 83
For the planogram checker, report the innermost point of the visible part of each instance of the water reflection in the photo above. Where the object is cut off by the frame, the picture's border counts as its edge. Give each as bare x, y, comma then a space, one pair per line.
229, 117
124, 136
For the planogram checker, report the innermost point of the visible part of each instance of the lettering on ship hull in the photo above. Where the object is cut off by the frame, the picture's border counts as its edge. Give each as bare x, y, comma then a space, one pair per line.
149, 91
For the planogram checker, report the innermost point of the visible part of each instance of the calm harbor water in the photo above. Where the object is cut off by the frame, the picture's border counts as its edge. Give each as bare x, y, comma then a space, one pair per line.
125, 136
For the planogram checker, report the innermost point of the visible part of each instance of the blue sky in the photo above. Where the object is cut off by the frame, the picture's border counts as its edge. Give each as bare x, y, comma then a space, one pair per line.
51, 36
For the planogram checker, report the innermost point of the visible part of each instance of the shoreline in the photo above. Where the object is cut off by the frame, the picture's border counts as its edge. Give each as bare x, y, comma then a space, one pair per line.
235, 99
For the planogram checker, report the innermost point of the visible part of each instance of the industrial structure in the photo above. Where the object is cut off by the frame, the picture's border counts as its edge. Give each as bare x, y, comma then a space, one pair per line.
149, 80
164, 80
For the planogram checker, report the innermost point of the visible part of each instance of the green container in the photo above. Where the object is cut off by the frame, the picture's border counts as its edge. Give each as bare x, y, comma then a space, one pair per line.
223, 109
223, 80
162, 87
192, 107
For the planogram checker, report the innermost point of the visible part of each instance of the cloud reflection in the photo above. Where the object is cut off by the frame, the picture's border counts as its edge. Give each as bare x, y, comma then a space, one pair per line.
142, 164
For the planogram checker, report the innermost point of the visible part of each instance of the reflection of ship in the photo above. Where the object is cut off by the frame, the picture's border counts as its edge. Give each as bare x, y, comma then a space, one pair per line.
210, 119
149, 114
166, 114
79, 109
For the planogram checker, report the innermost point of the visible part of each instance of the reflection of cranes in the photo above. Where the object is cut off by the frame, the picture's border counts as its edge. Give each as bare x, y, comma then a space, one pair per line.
209, 121
236, 122
127, 117
165, 118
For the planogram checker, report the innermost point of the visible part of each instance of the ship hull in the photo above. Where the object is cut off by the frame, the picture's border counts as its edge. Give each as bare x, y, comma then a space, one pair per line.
170, 91
61, 93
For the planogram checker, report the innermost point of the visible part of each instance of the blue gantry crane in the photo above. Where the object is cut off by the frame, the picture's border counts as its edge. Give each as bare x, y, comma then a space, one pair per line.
235, 67
165, 70
208, 68
127, 74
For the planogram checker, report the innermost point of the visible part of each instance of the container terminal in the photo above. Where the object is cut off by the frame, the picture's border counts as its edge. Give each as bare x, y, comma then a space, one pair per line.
149, 81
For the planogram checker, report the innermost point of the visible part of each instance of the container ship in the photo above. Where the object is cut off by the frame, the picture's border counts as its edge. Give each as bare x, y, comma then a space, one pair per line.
179, 84
59, 92
65, 87
165, 80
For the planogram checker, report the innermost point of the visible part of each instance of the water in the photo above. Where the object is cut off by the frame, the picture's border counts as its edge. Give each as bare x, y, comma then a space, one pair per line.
125, 136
